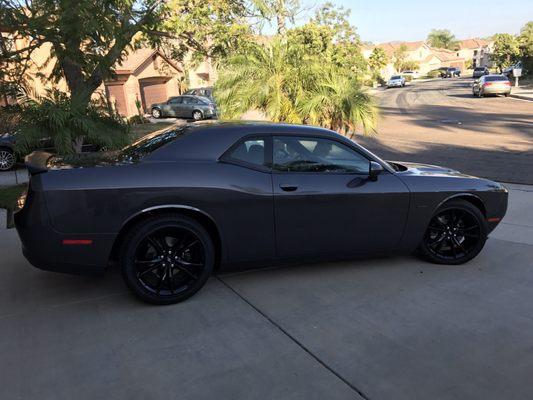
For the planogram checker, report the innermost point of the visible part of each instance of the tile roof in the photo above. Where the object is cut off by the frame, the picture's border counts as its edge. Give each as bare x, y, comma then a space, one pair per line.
137, 57
473, 43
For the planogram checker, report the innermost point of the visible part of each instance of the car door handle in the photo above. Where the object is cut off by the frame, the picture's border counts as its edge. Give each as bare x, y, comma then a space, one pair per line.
288, 188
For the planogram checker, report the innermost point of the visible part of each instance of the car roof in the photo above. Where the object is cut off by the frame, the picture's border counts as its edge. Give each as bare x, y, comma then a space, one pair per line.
208, 140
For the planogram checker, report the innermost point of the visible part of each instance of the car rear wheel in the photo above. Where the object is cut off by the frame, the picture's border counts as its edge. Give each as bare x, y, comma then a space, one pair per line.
456, 234
7, 159
167, 259
156, 113
197, 115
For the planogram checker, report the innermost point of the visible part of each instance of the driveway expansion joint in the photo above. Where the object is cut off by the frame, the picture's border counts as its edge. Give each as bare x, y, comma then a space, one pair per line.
294, 339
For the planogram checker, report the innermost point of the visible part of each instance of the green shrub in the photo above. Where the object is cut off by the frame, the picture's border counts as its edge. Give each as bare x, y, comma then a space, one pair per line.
433, 74
69, 125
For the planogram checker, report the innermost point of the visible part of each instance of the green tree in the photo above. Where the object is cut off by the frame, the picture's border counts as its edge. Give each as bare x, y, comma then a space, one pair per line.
86, 37
281, 11
526, 46
378, 59
400, 55
443, 39
203, 28
292, 86
506, 50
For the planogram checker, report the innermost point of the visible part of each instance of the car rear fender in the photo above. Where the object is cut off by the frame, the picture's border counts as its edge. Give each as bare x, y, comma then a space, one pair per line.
201, 216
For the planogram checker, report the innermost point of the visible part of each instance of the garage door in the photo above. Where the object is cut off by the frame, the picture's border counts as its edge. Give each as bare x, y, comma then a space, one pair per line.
115, 94
153, 92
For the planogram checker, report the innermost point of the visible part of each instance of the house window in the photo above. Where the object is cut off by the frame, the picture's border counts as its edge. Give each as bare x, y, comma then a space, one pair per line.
475, 53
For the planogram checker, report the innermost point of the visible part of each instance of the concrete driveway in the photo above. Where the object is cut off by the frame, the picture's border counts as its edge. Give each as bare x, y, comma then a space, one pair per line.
393, 328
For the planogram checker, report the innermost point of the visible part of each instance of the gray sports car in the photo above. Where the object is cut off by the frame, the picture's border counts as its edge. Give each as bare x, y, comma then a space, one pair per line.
177, 205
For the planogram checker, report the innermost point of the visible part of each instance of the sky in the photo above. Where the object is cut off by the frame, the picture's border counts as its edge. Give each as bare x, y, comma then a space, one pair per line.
380, 21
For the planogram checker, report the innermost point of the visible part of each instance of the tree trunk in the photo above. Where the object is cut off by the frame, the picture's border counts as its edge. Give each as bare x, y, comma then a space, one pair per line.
281, 15
77, 144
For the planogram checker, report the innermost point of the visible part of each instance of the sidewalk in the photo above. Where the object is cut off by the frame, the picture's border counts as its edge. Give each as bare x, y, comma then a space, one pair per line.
522, 92
13, 177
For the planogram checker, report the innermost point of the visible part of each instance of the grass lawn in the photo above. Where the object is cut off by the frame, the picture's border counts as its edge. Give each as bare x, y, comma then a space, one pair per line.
9, 195
139, 130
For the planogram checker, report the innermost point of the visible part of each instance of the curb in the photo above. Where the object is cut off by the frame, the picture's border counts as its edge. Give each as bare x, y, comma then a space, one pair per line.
6, 219
521, 97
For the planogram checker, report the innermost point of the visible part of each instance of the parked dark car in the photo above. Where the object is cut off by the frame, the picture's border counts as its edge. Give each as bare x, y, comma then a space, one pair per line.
7, 152
508, 72
176, 206
479, 72
449, 72
491, 84
203, 92
190, 107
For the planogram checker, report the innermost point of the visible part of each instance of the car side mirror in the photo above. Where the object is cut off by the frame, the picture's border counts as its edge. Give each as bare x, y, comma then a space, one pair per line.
374, 170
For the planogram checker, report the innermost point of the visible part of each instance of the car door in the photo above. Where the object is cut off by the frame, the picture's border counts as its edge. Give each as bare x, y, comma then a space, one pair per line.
186, 108
325, 202
173, 104
247, 216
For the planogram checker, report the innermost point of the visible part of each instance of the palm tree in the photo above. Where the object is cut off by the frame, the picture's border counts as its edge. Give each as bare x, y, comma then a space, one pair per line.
290, 86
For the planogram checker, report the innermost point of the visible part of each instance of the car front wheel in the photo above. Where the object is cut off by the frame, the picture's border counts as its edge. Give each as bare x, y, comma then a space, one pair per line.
456, 234
7, 159
167, 258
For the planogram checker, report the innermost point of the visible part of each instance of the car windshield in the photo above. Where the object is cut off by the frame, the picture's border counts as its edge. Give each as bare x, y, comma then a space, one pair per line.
395, 77
479, 69
495, 78
149, 143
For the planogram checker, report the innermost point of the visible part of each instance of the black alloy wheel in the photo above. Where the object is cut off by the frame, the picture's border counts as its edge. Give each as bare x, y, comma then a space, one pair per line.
456, 234
167, 259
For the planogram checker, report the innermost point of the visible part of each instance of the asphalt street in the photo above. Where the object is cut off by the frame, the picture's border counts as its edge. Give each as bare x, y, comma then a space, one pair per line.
440, 122
387, 328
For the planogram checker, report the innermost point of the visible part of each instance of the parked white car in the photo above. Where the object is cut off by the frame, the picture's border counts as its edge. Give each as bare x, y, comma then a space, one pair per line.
396, 81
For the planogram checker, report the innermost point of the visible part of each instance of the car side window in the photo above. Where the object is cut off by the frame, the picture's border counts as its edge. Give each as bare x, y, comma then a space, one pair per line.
302, 154
251, 151
175, 100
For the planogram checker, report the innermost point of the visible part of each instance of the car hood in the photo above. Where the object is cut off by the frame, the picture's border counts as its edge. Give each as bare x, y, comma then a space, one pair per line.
424, 169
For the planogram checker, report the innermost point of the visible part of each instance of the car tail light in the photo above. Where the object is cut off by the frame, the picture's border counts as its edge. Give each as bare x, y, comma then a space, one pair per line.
487, 84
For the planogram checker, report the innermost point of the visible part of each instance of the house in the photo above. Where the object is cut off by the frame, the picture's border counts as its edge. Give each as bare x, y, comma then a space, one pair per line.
426, 57
146, 75
477, 50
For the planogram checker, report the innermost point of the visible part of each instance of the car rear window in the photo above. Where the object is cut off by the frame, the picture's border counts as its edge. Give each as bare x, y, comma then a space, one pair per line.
495, 78
148, 144
479, 69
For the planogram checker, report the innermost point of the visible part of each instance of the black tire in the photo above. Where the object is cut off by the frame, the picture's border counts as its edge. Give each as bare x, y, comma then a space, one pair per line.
7, 159
506, 94
197, 115
173, 267
156, 113
455, 234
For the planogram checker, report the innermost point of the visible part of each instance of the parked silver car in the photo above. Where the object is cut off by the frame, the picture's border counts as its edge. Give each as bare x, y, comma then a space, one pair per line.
190, 107
491, 84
